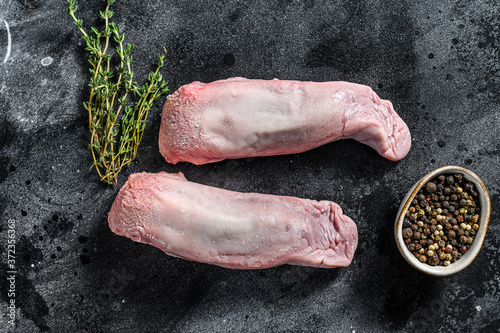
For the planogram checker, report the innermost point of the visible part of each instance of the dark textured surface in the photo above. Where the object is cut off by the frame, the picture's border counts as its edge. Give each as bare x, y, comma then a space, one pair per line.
437, 61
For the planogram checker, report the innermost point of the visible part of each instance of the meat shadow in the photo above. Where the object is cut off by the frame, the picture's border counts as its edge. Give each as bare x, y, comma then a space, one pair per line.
124, 279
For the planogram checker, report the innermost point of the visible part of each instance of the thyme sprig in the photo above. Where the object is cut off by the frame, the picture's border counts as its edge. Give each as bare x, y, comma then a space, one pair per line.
116, 125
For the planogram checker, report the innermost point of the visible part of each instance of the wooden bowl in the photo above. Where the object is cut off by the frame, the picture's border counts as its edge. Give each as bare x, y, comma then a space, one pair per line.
470, 255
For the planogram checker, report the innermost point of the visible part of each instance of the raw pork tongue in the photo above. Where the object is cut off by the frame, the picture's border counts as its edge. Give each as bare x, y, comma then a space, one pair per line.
231, 229
234, 118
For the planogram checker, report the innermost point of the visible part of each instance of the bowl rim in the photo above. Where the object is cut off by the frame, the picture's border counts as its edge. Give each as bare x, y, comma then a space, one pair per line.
476, 246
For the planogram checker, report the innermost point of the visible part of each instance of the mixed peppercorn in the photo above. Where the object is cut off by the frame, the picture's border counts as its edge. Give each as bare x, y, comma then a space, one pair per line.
442, 220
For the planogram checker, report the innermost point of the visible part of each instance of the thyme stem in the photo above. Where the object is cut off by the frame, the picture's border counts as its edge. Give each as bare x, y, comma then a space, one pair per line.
116, 125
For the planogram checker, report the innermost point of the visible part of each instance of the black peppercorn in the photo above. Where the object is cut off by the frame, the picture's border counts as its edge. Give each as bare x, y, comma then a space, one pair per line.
434, 260
407, 232
463, 239
431, 187
441, 178
406, 223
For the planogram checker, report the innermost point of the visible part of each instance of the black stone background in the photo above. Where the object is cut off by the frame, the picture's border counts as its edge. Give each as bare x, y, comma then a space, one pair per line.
437, 61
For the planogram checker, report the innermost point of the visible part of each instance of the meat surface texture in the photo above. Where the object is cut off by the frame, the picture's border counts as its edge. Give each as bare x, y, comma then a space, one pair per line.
231, 229
237, 117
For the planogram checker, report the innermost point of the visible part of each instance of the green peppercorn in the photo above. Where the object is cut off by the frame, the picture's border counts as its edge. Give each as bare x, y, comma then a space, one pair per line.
470, 240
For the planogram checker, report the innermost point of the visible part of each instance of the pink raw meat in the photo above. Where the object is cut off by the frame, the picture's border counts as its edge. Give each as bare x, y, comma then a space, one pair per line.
231, 229
234, 118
